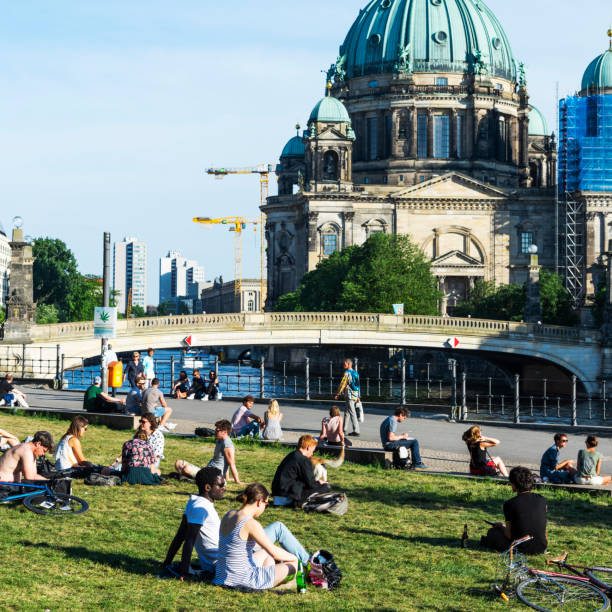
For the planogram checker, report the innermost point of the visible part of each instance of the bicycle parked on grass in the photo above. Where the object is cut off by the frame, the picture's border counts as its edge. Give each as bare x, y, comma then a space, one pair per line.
583, 589
41, 498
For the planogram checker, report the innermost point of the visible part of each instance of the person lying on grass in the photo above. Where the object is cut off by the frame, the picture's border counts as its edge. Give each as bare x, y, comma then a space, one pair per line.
200, 523
7, 440
240, 563
525, 514
224, 457
69, 452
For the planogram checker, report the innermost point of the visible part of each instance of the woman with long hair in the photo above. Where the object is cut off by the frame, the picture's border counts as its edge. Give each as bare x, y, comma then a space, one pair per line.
238, 565
69, 452
482, 464
273, 418
181, 386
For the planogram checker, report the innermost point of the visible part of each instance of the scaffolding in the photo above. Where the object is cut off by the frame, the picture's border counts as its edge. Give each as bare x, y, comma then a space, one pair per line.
585, 164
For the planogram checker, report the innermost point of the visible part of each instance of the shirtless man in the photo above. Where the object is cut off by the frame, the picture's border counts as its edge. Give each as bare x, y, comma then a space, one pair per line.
19, 462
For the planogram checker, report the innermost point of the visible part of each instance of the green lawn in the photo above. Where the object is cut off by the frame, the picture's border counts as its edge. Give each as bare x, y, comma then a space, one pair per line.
398, 546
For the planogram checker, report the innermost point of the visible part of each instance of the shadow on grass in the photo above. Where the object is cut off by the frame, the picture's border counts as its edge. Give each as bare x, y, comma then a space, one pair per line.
126, 563
572, 510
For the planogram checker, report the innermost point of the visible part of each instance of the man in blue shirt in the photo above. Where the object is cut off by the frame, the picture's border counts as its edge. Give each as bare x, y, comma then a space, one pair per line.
390, 440
553, 470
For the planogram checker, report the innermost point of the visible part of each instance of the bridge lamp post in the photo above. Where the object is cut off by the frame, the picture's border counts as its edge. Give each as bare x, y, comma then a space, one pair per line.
533, 308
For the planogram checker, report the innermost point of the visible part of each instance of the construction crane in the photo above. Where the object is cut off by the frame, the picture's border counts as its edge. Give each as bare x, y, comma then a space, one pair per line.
237, 225
264, 171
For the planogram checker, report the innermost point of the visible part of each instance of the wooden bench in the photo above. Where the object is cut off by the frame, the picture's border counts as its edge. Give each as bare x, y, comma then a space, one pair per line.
111, 420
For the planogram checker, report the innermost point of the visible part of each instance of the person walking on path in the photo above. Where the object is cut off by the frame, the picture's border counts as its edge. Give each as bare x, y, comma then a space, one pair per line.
148, 363
133, 369
391, 440
589, 464
553, 470
349, 387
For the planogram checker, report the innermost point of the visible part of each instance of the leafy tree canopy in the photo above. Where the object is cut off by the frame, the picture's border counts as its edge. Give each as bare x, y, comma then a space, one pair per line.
385, 270
138, 311
507, 302
47, 313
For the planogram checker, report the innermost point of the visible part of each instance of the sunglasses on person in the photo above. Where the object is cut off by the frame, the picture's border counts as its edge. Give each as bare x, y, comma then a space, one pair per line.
564, 441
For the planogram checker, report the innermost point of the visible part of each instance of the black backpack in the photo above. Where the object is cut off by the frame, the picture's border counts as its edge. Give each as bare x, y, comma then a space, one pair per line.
204, 432
401, 458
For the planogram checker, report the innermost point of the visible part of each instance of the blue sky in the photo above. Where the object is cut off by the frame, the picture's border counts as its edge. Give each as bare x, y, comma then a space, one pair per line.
111, 111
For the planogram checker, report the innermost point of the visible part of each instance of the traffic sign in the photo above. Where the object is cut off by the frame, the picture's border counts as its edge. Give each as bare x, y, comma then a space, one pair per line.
455, 342
188, 341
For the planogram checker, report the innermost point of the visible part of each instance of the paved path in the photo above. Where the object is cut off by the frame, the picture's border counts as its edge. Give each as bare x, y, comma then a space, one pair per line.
440, 440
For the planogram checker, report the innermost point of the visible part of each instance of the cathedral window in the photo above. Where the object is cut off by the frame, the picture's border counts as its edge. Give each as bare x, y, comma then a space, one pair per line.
441, 81
372, 138
460, 136
502, 139
441, 136
526, 241
422, 136
330, 166
403, 127
330, 244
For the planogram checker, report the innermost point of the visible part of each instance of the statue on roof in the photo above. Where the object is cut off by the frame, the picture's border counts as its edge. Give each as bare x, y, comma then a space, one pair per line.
404, 62
479, 64
340, 73
522, 80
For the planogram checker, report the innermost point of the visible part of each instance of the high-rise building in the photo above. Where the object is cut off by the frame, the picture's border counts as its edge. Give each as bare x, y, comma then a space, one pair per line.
179, 277
130, 272
5, 260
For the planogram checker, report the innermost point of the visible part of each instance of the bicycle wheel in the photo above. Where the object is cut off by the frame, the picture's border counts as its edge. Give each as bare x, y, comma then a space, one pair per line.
601, 573
59, 504
560, 593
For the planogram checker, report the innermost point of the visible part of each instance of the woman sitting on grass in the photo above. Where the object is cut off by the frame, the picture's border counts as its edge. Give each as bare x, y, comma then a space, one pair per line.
480, 463
69, 452
237, 564
138, 460
7, 440
589, 464
332, 431
273, 418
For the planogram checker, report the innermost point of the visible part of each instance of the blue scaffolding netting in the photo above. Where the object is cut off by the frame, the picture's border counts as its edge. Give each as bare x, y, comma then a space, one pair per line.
585, 143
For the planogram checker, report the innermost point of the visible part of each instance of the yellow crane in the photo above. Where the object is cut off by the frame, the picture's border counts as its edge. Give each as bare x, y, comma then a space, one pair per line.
237, 225
264, 171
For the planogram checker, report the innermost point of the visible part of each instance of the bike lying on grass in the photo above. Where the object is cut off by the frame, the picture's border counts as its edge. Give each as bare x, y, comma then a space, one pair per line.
41, 498
583, 589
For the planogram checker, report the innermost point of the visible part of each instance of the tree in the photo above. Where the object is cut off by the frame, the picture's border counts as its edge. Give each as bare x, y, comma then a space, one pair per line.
557, 307
47, 313
2, 314
385, 270
88, 295
164, 309
56, 277
138, 311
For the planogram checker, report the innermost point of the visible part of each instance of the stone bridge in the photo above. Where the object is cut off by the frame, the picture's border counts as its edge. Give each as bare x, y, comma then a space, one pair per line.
577, 351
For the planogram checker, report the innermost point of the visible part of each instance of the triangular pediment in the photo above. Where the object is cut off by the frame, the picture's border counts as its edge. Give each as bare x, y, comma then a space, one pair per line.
456, 258
330, 133
453, 186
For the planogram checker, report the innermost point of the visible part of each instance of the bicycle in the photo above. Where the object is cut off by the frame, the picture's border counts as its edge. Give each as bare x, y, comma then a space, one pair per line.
42, 499
582, 590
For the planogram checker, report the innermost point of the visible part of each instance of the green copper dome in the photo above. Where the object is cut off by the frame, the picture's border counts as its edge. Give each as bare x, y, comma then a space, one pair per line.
294, 148
330, 110
598, 74
426, 36
537, 123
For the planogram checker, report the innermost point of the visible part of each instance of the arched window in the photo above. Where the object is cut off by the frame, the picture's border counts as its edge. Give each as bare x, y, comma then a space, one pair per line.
251, 306
330, 239
330, 166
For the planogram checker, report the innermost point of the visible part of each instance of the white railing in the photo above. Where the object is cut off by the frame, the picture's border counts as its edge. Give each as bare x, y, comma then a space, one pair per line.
321, 320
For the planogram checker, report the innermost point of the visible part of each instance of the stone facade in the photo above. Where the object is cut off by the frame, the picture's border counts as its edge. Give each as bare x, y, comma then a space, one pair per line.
221, 297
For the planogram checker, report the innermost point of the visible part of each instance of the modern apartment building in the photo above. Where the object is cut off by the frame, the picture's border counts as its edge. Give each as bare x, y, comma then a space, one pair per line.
179, 277
130, 272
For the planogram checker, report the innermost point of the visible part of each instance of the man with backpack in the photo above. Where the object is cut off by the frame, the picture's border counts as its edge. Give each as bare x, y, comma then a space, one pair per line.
392, 441
349, 387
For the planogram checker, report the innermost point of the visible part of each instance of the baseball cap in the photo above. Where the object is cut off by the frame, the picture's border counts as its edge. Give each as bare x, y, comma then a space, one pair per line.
97, 380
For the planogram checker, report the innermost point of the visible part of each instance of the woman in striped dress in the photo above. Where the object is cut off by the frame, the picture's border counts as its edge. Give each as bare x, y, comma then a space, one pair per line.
239, 534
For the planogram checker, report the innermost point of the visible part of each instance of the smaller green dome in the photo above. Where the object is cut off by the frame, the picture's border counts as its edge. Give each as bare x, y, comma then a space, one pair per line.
598, 74
537, 123
294, 148
329, 110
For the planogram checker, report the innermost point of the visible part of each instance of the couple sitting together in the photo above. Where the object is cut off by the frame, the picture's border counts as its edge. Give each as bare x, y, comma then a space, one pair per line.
237, 550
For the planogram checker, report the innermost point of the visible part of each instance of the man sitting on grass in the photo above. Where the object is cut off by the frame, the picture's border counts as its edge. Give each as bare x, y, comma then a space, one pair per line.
553, 470
294, 480
525, 514
390, 440
200, 524
245, 422
224, 457
18, 464
95, 400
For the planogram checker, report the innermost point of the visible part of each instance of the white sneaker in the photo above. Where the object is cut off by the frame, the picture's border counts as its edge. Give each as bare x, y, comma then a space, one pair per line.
361, 418
171, 425
204, 398
2, 402
190, 397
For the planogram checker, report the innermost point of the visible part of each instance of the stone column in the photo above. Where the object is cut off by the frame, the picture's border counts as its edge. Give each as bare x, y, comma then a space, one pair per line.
533, 309
436, 244
20, 306
414, 132
468, 134
348, 228
444, 299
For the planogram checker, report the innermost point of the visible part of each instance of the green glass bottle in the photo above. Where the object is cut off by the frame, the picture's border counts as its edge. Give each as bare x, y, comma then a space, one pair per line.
300, 578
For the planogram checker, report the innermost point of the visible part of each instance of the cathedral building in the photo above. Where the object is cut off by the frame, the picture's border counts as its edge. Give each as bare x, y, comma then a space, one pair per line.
426, 129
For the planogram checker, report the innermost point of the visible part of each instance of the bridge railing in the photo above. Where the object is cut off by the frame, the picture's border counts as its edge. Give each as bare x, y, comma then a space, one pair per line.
369, 321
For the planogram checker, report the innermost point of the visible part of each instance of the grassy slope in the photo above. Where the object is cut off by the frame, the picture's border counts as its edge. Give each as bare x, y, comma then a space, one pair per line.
398, 546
